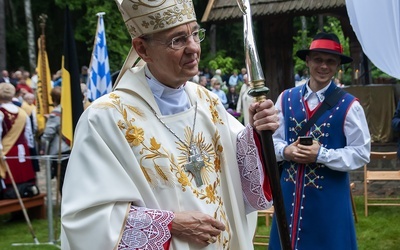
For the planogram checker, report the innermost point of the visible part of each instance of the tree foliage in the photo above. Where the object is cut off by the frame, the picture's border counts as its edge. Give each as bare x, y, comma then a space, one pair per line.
117, 37
230, 52
223, 62
83, 15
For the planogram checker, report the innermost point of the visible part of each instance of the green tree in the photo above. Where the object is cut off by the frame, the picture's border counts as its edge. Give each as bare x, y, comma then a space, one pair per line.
117, 36
30, 35
223, 62
83, 16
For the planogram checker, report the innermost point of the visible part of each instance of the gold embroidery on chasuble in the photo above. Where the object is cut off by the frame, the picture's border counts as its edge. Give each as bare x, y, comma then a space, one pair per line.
151, 152
213, 102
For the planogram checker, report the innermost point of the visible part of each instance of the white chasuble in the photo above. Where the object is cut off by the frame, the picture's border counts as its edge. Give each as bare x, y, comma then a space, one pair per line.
125, 159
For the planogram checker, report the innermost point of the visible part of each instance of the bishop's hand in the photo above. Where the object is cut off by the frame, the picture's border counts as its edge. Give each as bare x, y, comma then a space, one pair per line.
264, 116
196, 227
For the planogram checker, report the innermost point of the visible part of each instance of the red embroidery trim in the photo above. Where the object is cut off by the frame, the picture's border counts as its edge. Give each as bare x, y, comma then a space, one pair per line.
168, 243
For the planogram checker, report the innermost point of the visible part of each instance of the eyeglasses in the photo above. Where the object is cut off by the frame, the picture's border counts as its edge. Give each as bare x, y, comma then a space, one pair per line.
180, 42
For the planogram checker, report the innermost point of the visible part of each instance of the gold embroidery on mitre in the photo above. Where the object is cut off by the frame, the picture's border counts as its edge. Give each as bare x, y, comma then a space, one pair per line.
143, 17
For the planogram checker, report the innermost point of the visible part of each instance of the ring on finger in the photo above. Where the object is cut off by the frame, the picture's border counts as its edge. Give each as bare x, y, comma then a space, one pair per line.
212, 240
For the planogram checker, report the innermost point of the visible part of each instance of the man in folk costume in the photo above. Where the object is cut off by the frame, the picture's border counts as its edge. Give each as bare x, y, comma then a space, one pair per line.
159, 163
14, 132
315, 178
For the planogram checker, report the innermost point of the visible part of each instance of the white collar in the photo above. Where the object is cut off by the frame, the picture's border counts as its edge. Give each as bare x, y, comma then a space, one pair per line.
159, 89
169, 100
320, 94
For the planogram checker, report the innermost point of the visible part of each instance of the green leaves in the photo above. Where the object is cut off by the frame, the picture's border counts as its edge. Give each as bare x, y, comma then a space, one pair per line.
225, 63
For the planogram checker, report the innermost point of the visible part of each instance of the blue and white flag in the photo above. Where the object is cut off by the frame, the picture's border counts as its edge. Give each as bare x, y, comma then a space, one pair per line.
99, 80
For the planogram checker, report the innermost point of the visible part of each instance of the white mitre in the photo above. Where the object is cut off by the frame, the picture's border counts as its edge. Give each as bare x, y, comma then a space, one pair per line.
144, 17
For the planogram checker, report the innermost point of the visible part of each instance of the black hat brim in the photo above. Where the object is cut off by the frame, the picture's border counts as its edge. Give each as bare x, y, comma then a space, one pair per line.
343, 59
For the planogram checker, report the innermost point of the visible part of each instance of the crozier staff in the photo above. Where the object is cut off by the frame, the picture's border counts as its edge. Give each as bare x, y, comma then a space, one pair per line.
259, 92
159, 163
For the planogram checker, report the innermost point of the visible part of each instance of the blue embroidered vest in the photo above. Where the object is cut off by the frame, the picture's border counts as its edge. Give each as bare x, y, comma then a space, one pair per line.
328, 129
314, 195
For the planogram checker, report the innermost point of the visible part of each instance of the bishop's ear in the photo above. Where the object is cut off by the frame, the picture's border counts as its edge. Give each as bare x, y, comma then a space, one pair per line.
141, 46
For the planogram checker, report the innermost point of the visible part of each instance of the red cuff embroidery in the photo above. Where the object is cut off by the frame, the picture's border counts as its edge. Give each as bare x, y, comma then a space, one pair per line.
146, 229
254, 184
168, 243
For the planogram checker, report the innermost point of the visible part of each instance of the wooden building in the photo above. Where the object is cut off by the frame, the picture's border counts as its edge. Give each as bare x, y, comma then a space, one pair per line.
277, 33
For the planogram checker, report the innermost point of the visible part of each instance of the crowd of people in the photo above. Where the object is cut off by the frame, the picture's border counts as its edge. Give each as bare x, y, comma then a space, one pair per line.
18, 131
22, 140
231, 89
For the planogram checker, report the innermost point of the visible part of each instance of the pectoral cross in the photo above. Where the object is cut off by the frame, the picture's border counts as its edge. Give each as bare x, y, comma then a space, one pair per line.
195, 164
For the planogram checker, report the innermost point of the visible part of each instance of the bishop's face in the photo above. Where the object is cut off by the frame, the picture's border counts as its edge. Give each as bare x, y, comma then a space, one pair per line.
323, 67
172, 65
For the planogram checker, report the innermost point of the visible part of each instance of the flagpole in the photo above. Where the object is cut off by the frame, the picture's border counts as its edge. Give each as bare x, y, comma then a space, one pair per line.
58, 171
45, 110
43, 69
100, 14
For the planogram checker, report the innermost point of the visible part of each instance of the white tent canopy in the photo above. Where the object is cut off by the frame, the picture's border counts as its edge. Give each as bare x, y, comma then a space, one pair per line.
377, 27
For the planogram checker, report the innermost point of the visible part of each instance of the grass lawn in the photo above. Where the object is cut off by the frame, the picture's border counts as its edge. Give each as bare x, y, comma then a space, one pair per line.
18, 232
379, 231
